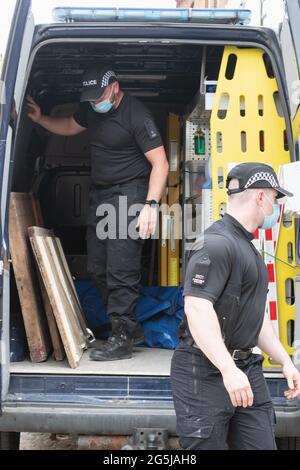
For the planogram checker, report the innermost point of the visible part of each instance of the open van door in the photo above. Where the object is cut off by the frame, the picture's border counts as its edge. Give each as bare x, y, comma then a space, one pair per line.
11, 86
290, 42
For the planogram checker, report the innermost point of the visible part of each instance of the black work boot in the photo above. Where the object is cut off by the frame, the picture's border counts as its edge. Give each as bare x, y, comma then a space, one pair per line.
118, 346
137, 334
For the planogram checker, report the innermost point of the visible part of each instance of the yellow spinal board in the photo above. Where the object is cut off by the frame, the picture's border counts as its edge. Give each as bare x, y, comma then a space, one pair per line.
247, 124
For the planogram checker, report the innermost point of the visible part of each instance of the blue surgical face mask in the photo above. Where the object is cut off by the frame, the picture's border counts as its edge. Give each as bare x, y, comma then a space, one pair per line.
104, 106
270, 220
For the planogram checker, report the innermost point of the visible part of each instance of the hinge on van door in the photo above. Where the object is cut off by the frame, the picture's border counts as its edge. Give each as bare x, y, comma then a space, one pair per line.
148, 438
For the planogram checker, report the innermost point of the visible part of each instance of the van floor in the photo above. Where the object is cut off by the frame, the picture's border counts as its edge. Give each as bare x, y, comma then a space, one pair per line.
145, 361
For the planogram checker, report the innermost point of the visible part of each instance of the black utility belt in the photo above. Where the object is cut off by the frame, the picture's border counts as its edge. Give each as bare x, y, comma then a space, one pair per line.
240, 354
236, 354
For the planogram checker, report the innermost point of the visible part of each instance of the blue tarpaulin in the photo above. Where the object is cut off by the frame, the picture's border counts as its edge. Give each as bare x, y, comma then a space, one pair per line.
159, 310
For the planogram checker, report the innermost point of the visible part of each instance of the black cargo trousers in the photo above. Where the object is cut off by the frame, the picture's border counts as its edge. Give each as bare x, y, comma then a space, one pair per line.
206, 418
114, 263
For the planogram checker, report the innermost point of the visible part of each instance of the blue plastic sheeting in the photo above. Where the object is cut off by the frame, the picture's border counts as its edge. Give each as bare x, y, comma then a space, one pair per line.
159, 310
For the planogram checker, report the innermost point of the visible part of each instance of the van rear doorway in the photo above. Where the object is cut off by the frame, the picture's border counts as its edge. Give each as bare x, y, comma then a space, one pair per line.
178, 83
57, 169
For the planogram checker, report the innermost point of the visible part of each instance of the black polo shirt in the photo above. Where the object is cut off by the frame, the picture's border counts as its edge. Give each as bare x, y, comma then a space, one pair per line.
119, 139
209, 269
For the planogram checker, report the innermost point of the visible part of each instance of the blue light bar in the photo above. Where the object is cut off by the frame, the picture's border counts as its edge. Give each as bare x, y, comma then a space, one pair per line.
177, 15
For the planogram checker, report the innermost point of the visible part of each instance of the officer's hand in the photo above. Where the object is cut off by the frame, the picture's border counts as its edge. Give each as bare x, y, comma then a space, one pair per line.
34, 111
238, 387
147, 221
293, 379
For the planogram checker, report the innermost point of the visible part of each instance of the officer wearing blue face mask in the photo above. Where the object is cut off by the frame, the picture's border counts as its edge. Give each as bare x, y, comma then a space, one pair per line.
220, 395
125, 146
259, 176
128, 161
270, 220
104, 106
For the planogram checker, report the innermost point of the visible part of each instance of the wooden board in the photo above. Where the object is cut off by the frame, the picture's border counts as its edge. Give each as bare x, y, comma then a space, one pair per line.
64, 274
58, 348
70, 339
33, 208
70, 284
22, 215
61, 295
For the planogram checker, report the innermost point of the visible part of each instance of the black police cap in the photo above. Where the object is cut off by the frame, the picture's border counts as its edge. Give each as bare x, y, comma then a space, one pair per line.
255, 175
94, 82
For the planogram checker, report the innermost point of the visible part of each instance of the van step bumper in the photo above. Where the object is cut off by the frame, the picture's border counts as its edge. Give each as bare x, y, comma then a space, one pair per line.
106, 405
86, 420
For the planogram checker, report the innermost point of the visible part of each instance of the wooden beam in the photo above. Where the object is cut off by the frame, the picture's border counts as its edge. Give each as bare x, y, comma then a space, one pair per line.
22, 215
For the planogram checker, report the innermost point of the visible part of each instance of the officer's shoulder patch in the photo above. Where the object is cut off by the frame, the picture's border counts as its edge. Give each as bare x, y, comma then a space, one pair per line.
151, 128
201, 270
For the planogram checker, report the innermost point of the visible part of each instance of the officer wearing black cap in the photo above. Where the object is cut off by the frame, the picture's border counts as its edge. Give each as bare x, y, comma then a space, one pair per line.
220, 395
127, 161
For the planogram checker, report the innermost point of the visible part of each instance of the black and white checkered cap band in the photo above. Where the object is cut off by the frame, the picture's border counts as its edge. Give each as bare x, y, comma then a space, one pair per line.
262, 176
106, 77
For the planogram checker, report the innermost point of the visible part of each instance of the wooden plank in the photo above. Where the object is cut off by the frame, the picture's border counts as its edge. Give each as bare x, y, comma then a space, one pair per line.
89, 335
56, 264
58, 348
66, 292
65, 278
70, 284
21, 217
69, 338
60, 295
33, 206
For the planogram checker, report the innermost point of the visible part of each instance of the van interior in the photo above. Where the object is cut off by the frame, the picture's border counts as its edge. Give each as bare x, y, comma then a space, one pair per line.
167, 78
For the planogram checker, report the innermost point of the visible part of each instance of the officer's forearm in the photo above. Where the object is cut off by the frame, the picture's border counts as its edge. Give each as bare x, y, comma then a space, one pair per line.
205, 329
57, 125
269, 343
159, 173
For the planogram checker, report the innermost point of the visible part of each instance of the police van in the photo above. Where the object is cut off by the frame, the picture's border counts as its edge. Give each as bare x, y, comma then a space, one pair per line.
221, 92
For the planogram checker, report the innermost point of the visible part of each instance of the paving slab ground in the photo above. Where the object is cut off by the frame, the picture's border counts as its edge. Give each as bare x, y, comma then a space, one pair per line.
40, 441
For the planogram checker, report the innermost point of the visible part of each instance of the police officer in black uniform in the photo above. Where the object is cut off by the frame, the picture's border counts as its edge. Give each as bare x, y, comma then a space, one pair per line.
220, 395
127, 161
